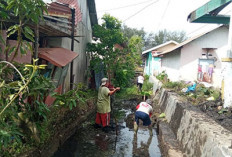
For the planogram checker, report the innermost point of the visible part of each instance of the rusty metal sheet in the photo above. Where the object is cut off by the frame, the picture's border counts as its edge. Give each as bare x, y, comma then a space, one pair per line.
59, 10
20, 58
73, 4
58, 56
49, 100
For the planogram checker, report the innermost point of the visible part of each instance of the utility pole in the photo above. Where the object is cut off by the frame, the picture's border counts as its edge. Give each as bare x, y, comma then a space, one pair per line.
72, 48
36, 41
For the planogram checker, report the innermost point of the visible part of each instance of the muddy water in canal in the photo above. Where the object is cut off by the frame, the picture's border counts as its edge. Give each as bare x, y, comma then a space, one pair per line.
119, 142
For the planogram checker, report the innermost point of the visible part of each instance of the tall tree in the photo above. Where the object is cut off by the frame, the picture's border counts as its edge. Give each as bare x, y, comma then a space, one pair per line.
108, 35
135, 44
129, 32
163, 36
119, 63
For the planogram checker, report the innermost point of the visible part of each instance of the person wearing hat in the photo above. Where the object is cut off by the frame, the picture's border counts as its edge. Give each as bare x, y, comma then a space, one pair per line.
143, 111
103, 105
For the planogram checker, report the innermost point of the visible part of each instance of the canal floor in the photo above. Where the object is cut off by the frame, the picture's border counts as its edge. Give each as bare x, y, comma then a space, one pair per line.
91, 142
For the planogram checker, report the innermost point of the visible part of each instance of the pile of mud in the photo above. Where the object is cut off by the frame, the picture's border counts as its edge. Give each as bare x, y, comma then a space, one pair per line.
220, 115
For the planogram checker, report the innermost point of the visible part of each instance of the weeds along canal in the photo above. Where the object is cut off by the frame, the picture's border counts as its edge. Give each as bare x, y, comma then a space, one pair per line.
91, 142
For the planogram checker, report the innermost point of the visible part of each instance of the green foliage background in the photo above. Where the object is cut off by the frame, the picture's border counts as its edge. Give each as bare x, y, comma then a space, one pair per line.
119, 63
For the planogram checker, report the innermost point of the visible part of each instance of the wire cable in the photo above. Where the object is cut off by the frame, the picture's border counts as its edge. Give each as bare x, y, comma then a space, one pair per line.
197, 29
131, 5
140, 10
165, 10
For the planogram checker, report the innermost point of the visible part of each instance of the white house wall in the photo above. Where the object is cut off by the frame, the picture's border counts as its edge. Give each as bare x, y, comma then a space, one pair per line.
191, 52
171, 64
151, 63
81, 63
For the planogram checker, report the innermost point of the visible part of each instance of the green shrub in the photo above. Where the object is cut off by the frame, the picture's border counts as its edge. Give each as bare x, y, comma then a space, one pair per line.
70, 99
147, 86
162, 76
216, 94
146, 77
126, 93
177, 86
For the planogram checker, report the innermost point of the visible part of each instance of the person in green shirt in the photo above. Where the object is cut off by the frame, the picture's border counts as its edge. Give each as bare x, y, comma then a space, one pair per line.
103, 105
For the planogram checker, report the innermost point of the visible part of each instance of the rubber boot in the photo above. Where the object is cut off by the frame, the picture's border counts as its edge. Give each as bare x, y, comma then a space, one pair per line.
106, 129
150, 131
97, 126
135, 128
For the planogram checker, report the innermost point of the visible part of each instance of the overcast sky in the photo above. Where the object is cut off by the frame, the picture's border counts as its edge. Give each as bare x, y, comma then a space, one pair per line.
154, 15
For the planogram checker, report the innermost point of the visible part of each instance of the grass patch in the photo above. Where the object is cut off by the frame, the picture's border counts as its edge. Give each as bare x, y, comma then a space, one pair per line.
176, 86
127, 93
119, 114
196, 97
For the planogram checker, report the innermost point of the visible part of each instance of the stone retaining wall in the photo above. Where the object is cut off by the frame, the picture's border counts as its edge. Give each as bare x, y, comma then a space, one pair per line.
197, 134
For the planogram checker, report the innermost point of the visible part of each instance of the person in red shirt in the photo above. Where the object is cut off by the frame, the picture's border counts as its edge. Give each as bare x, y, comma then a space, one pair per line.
143, 112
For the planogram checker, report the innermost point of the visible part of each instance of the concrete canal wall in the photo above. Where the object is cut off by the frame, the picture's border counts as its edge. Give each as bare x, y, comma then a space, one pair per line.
197, 134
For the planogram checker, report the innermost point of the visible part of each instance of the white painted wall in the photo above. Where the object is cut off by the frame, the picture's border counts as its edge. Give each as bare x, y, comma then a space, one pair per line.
191, 52
171, 64
184, 65
149, 68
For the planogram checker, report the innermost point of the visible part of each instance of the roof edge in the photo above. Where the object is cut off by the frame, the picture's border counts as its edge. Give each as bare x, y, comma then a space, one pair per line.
190, 40
159, 46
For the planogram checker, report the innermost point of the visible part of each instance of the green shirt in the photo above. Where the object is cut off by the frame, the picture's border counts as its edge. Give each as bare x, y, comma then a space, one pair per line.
103, 102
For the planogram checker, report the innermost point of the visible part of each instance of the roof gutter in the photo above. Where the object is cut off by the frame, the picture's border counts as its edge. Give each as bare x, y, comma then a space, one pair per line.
208, 13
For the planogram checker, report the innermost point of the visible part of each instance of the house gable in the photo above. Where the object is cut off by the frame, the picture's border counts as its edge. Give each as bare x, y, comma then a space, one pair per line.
191, 53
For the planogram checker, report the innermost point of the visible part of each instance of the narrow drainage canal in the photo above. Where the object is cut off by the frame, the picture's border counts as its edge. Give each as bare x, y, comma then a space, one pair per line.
91, 142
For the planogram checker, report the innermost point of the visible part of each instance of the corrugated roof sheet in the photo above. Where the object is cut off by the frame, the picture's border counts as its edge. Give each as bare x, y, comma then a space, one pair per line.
58, 56
60, 10
50, 27
59, 17
73, 5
